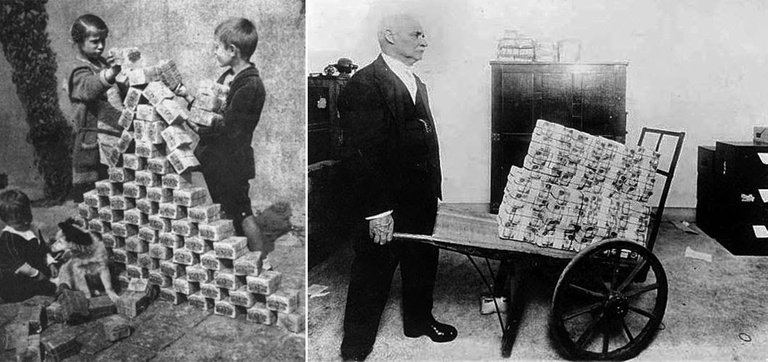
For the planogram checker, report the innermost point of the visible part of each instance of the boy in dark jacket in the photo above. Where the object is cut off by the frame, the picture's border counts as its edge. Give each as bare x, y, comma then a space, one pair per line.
225, 152
24, 259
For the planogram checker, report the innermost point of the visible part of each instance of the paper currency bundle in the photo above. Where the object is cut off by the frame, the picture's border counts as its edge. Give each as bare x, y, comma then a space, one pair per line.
134, 190
125, 56
157, 277
293, 322
209, 103
132, 304
231, 248
197, 273
198, 244
259, 313
185, 286
242, 297
283, 301
199, 301
59, 346
248, 264
265, 283
101, 306
225, 308
146, 261
116, 328
576, 189
227, 279
172, 296
212, 291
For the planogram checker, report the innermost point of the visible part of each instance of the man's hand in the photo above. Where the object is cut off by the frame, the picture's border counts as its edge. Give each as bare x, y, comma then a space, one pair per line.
381, 229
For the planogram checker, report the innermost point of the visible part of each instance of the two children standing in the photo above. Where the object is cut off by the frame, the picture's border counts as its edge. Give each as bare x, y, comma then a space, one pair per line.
225, 152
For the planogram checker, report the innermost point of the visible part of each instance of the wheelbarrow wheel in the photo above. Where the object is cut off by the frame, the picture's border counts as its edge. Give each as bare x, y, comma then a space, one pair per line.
609, 301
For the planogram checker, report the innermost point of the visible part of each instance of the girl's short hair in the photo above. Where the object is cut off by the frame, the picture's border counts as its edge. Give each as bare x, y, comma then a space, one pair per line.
239, 32
86, 25
14, 205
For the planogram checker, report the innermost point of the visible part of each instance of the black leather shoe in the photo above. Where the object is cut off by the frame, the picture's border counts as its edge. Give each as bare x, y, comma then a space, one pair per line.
355, 355
436, 331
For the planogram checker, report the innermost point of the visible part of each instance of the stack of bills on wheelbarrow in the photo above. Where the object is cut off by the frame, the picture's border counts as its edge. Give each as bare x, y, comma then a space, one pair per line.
576, 189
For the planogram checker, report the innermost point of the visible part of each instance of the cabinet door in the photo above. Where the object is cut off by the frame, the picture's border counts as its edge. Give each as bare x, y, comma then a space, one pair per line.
318, 124
598, 103
554, 104
514, 102
506, 150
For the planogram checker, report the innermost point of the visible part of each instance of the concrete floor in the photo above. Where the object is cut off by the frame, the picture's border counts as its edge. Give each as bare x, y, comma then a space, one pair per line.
165, 332
715, 310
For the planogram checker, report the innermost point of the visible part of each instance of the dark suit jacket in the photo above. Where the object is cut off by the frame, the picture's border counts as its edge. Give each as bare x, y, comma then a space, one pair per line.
388, 152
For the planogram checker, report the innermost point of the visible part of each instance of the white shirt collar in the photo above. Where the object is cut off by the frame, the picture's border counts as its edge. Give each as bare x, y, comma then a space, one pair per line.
404, 73
27, 235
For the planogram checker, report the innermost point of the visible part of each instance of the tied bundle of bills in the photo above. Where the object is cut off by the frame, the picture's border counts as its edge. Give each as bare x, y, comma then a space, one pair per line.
225, 308
171, 240
197, 273
283, 301
199, 301
197, 244
209, 104
265, 283
259, 313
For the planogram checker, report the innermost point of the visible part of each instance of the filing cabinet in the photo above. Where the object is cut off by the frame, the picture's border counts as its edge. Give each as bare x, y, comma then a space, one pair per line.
733, 202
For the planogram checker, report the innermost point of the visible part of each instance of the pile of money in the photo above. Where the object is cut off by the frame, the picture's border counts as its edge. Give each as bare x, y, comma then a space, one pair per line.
154, 214
576, 189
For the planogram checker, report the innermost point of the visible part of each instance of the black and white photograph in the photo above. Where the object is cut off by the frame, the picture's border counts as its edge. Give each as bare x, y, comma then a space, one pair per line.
536, 180
383, 180
152, 180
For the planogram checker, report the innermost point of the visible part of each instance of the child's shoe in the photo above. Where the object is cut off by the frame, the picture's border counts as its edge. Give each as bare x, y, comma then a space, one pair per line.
265, 265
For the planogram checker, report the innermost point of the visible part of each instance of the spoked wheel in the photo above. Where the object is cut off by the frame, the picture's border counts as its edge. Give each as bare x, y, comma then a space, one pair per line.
609, 301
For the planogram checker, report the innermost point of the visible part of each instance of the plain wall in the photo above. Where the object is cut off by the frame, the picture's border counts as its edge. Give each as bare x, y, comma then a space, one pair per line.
694, 66
183, 30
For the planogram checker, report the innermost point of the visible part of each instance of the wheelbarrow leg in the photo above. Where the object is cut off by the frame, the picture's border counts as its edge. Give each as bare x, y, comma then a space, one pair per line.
515, 308
506, 269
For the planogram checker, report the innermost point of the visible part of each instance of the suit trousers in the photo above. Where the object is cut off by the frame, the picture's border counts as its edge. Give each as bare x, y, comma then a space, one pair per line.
374, 266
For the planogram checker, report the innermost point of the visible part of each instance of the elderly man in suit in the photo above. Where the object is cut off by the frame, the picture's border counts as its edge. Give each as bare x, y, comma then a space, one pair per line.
394, 164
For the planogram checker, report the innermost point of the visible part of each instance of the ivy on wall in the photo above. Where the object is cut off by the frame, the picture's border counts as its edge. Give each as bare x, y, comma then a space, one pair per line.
27, 48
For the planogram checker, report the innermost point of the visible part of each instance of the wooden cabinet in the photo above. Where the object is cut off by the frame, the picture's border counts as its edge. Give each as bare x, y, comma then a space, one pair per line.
324, 132
587, 97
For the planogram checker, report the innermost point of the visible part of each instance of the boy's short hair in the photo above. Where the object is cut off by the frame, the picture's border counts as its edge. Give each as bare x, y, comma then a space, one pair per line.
239, 32
86, 25
14, 206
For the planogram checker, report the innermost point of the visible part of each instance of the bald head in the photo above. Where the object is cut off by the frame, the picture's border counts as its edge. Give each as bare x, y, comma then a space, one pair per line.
401, 37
